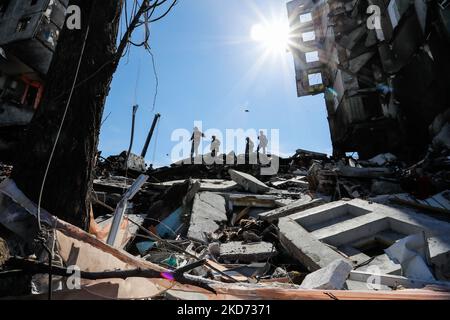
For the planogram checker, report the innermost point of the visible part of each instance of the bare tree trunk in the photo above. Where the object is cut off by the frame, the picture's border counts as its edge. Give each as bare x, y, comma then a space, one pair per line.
66, 191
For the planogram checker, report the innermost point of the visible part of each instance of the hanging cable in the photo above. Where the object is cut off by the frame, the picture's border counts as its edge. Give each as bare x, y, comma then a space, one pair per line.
155, 73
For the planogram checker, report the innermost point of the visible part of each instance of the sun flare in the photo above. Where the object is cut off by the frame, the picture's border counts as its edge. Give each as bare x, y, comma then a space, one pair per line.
274, 36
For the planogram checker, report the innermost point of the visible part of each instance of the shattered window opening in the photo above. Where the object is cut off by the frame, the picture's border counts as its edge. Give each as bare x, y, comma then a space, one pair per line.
305, 17
315, 79
308, 36
312, 56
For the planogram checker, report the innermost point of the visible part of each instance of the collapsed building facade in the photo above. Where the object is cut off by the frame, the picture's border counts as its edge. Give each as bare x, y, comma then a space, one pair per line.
382, 67
316, 229
29, 32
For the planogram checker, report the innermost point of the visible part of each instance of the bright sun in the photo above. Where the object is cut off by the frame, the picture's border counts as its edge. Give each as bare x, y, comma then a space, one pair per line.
274, 36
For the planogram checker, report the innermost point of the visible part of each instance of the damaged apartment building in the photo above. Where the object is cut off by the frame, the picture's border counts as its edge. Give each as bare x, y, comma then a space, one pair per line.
383, 68
29, 32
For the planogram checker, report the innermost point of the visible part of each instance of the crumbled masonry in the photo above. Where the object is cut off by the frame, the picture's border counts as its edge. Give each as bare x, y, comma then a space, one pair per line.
318, 224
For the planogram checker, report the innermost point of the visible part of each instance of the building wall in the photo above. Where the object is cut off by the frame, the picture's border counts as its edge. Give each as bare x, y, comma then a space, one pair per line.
374, 103
29, 31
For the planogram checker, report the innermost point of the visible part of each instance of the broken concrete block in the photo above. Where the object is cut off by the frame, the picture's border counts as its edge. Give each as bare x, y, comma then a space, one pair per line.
304, 203
208, 212
383, 264
251, 200
413, 254
312, 253
134, 163
440, 256
213, 185
247, 252
332, 277
364, 286
309, 235
248, 182
298, 182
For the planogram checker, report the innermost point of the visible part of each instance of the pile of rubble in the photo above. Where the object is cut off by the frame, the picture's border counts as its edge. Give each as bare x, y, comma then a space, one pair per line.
346, 228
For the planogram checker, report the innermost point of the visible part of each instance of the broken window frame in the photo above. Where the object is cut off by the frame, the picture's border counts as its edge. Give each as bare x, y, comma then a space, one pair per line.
312, 56
308, 38
312, 76
305, 17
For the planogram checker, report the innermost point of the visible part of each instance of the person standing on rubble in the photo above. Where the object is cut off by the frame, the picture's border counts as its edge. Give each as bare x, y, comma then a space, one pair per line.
262, 142
215, 144
196, 137
249, 145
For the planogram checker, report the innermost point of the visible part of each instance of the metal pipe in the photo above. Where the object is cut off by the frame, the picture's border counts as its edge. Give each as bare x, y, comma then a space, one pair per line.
150, 134
122, 207
135, 107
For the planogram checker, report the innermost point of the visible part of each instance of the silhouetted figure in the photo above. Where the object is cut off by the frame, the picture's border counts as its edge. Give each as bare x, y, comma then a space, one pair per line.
196, 137
249, 145
215, 144
262, 142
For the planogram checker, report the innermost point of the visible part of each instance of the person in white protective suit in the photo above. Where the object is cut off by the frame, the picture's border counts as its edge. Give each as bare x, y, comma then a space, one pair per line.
196, 137
215, 144
262, 142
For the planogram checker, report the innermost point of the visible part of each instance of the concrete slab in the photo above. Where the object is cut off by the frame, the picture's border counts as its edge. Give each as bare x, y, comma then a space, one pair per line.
312, 253
384, 265
297, 182
213, 185
208, 211
439, 247
357, 222
304, 203
376, 281
248, 182
363, 286
354, 254
332, 277
247, 252
252, 200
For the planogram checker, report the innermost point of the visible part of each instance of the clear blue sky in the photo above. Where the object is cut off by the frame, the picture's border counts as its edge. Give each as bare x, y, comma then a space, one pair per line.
211, 70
